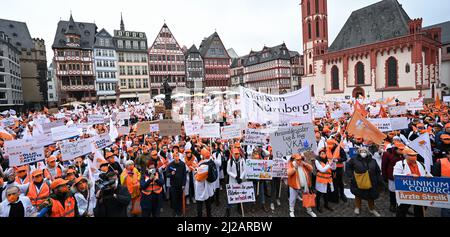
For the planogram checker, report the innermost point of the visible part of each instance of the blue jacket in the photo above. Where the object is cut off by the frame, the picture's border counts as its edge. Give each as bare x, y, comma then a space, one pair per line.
146, 200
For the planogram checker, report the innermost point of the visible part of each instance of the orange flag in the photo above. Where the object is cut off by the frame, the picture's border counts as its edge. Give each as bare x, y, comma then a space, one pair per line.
358, 107
438, 102
383, 113
359, 126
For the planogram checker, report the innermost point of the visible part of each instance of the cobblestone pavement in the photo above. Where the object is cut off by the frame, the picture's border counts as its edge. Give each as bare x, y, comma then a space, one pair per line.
340, 210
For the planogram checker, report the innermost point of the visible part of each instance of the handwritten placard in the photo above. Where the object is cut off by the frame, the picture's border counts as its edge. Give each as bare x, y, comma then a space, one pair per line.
240, 193
258, 169
288, 141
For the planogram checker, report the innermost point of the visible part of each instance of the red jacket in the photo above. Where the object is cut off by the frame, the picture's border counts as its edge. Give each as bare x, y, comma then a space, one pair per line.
388, 162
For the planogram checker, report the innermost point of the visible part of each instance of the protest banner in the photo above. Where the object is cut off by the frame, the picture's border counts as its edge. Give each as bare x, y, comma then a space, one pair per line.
48, 126
279, 168
423, 191
192, 127
22, 152
169, 127
374, 111
102, 141
240, 193
64, 132
230, 132
413, 106
262, 108
399, 123
291, 140
211, 130
254, 137
96, 119
123, 115
383, 124
43, 140
143, 128
320, 113
258, 169
397, 110
446, 99
72, 150
123, 130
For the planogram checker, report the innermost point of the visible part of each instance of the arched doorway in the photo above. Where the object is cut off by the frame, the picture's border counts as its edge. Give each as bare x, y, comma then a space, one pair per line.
358, 91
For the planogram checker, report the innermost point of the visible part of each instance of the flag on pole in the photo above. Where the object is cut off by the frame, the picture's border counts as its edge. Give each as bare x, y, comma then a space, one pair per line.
360, 108
360, 126
422, 146
438, 103
383, 113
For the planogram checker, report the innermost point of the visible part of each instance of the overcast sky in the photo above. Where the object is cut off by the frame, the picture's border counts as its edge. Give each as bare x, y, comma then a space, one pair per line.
242, 24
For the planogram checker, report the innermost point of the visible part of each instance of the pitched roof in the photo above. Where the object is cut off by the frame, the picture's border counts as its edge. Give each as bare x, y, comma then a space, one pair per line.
445, 31
267, 54
72, 28
207, 43
192, 50
104, 34
18, 33
378, 22
232, 53
87, 33
294, 53
160, 39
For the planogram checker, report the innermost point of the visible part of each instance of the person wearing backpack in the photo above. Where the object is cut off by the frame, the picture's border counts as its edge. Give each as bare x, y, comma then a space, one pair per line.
410, 167
236, 173
205, 176
365, 176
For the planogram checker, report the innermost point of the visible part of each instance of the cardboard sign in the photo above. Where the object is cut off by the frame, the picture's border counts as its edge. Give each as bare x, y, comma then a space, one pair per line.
48, 126
169, 127
72, 150
22, 152
143, 128
258, 169
240, 193
192, 127
423, 191
279, 169
398, 110
255, 137
230, 132
124, 131
288, 141
64, 132
96, 119
211, 130
123, 116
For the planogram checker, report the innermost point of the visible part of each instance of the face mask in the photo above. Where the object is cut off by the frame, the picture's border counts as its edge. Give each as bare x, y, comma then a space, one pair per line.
363, 155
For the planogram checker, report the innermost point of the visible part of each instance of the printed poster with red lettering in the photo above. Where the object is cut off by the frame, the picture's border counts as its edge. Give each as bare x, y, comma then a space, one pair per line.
423, 191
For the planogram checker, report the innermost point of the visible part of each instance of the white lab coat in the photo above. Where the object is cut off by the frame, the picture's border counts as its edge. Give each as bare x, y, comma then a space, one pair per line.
402, 168
320, 187
218, 161
232, 172
82, 202
203, 189
29, 210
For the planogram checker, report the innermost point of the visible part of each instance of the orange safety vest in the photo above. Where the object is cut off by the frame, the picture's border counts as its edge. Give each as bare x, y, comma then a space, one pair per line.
153, 187
445, 167
49, 176
38, 198
18, 180
67, 211
324, 178
131, 181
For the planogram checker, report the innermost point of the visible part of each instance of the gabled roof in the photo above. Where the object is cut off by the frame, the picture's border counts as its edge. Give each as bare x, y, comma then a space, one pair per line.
378, 22
192, 50
165, 28
445, 31
18, 33
104, 34
268, 54
72, 28
294, 54
87, 33
206, 44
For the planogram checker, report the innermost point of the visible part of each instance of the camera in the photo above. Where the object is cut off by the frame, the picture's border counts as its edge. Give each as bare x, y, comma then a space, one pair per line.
151, 171
105, 184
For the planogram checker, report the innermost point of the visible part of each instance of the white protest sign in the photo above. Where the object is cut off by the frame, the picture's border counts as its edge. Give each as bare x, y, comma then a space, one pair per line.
337, 114
64, 132
446, 99
397, 110
102, 141
288, 108
383, 124
230, 132
192, 127
374, 111
417, 105
72, 150
154, 127
48, 126
96, 119
211, 130
43, 140
258, 169
320, 113
124, 131
240, 193
399, 123
255, 137
8, 122
279, 169
22, 152
346, 108
288, 141
60, 115
123, 115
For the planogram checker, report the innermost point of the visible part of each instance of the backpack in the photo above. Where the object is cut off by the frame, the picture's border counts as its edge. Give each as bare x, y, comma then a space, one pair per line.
212, 171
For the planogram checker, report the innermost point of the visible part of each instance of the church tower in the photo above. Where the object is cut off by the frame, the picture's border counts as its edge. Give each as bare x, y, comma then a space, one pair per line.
315, 32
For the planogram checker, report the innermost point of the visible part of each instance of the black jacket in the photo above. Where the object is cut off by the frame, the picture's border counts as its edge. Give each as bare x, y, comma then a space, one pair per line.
361, 165
179, 179
110, 206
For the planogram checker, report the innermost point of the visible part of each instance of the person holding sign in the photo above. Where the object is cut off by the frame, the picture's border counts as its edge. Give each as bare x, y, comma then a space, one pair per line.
299, 180
410, 167
365, 178
324, 180
259, 185
236, 173
191, 165
337, 153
